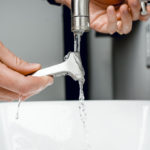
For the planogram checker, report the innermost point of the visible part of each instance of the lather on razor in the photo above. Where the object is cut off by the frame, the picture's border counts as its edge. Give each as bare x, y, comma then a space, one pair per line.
72, 66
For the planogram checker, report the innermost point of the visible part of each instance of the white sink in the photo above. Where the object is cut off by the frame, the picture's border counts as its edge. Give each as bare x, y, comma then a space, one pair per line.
112, 125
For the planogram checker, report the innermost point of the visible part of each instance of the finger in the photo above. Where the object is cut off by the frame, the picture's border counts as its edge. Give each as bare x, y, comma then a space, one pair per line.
14, 81
148, 9
126, 19
100, 24
8, 95
146, 17
23, 98
36, 84
112, 20
15, 63
119, 27
135, 7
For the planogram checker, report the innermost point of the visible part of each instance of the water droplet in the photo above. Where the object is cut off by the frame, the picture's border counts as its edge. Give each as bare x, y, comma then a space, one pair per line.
18, 108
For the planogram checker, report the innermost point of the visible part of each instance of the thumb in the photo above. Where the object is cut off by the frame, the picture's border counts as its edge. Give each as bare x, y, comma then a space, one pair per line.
15, 63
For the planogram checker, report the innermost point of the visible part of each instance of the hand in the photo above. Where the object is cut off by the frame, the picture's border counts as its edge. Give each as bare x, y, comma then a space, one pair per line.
109, 19
13, 80
135, 8
110, 16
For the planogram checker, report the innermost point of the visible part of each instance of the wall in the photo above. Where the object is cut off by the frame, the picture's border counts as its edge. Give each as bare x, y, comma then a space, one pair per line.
32, 29
100, 61
131, 76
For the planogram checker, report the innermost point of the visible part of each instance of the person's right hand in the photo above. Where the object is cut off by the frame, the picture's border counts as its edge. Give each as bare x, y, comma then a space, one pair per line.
14, 82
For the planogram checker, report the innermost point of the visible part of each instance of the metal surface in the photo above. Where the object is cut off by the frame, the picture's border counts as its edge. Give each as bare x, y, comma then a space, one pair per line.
80, 16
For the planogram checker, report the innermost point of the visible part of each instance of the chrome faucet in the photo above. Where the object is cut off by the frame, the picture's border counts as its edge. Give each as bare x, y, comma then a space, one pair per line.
80, 21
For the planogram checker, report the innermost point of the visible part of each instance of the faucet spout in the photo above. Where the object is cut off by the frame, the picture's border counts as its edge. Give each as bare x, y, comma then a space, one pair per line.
80, 16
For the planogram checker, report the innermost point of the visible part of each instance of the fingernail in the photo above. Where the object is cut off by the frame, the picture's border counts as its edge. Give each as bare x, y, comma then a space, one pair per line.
110, 9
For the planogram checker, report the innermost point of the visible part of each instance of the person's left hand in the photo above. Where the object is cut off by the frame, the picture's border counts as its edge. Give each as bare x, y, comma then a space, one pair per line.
110, 16
135, 9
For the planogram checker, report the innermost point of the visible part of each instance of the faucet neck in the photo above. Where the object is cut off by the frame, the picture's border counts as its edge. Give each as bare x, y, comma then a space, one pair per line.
80, 16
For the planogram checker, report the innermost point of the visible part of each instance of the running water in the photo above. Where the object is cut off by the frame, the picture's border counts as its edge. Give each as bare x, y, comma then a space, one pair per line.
81, 93
18, 108
77, 41
82, 105
83, 116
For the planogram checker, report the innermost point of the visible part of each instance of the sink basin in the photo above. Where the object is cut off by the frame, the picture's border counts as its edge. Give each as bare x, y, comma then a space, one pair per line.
111, 125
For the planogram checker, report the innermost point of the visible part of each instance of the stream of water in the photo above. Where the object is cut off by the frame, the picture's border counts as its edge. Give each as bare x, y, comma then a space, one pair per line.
18, 108
83, 116
82, 105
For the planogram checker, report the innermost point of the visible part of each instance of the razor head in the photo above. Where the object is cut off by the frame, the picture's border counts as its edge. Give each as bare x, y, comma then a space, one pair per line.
72, 66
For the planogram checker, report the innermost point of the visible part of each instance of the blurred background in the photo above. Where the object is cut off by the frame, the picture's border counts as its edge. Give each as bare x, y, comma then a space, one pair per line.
116, 66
